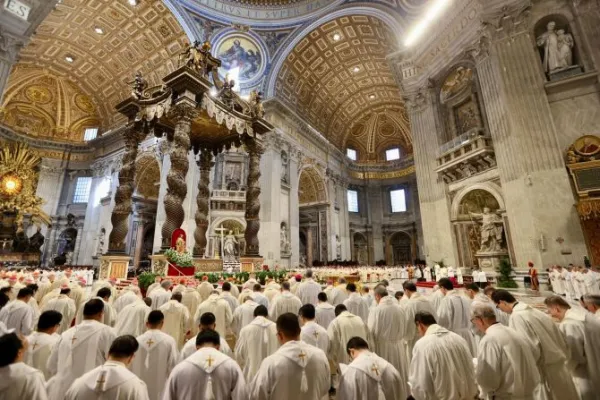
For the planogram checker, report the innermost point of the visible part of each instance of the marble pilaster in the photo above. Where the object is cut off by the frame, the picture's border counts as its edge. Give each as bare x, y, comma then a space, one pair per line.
543, 222
270, 213
294, 211
10, 45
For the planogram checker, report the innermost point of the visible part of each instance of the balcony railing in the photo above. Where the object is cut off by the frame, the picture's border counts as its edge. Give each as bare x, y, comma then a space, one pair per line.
465, 156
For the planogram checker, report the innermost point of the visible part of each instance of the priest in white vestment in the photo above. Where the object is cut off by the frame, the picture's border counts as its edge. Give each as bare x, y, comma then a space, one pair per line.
110, 315
18, 381
592, 304
207, 323
153, 286
308, 290
243, 314
286, 302
42, 341
506, 363
205, 288
296, 371
387, 330
338, 293
206, 374
228, 296
132, 319
369, 377
312, 333
220, 308
256, 341
325, 312
259, 297
355, 303
416, 303
442, 365
64, 305
112, 380
79, 350
547, 338
454, 313
249, 284
160, 295
18, 314
272, 290
476, 295
156, 357
582, 332
344, 327
191, 299
126, 298
177, 319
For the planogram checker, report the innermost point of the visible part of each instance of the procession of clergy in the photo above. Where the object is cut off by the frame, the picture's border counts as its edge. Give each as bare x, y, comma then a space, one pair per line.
291, 340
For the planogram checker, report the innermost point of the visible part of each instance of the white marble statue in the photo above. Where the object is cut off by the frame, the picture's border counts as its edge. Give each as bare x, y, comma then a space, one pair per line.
557, 47
491, 230
284, 242
230, 244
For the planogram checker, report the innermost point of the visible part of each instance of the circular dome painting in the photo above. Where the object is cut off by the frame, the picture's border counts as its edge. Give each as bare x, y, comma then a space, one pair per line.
241, 57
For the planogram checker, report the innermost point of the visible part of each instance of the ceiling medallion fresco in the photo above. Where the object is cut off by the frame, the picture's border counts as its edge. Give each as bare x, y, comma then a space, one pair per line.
99, 45
240, 55
337, 77
41, 104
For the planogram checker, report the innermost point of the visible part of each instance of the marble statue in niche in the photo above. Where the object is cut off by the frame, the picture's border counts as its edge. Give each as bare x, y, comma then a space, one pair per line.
491, 229
338, 248
284, 241
101, 238
557, 49
284, 166
230, 247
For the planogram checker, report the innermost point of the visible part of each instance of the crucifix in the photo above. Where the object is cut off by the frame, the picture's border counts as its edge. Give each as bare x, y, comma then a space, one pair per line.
209, 361
34, 346
375, 369
316, 334
220, 230
150, 342
101, 381
302, 355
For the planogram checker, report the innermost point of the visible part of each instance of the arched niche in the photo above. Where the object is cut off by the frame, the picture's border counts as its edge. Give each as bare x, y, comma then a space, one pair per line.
476, 196
400, 248
147, 176
360, 250
311, 187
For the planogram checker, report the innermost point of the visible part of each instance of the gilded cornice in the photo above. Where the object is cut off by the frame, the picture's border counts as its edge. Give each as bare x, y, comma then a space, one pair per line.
377, 175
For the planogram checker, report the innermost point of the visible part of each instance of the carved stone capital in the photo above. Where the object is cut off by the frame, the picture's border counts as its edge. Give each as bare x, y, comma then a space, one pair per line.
10, 46
183, 110
417, 101
509, 22
480, 49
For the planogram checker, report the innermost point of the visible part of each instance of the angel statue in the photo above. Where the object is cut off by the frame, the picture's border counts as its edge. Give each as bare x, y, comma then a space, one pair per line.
138, 85
256, 107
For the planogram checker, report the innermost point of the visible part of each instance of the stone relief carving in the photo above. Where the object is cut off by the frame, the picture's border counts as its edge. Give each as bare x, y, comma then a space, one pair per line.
457, 81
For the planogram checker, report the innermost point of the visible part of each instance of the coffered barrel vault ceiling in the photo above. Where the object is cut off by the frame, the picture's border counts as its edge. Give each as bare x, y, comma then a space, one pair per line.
108, 40
345, 88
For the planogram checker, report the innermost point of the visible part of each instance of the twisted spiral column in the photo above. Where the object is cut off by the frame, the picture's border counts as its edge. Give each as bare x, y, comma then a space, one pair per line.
176, 185
253, 198
122, 210
205, 164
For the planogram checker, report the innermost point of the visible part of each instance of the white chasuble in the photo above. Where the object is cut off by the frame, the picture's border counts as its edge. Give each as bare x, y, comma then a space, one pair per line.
190, 348
177, 321
220, 308
296, 371
154, 361
286, 302
370, 377
454, 313
315, 335
358, 306
79, 350
111, 381
257, 341
64, 305
19, 381
206, 375
132, 319
38, 352
242, 316
324, 314
340, 331
19, 316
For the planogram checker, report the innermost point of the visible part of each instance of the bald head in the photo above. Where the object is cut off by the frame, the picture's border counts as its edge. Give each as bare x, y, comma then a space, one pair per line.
165, 285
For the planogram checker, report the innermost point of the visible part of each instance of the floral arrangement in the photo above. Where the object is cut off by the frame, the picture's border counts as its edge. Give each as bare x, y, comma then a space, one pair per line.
179, 259
241, 277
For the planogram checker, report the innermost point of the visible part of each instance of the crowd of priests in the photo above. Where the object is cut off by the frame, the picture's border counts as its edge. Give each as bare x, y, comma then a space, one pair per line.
66, 338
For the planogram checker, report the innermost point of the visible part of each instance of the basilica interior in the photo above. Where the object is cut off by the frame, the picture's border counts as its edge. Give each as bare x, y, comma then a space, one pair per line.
294, 133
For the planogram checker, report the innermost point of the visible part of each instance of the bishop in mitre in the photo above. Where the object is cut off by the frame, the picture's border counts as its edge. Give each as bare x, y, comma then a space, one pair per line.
79, 350
112, 380
256, 341
177, 319
156, 357
206, 374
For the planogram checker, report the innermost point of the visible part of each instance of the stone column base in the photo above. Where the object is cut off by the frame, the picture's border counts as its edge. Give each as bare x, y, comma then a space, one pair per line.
251, 264
114, 267
490, 261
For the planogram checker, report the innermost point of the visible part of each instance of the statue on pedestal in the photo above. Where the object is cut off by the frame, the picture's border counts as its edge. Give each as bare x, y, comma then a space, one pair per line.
491, 230
230, 244
284, 242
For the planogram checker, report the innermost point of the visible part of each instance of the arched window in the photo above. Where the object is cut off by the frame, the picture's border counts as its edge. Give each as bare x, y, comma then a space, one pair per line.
351, 154
392, 154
